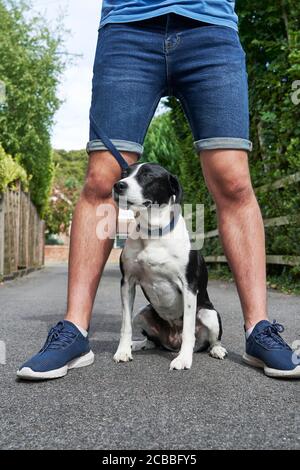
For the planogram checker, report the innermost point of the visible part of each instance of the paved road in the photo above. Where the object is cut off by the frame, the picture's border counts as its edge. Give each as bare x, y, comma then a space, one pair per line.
140, 405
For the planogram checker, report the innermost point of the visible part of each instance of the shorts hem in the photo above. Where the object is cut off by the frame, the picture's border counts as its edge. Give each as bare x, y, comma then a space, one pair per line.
223, 143
125, 145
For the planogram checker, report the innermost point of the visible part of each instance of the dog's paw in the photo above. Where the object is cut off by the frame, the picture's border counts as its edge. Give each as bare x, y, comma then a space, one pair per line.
123, 356
181, 362
218, 352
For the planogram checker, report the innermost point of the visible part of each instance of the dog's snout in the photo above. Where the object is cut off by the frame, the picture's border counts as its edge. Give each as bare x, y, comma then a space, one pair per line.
120, 187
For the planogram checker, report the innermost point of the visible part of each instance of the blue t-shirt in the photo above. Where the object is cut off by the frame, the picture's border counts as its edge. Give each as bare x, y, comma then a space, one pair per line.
219, 12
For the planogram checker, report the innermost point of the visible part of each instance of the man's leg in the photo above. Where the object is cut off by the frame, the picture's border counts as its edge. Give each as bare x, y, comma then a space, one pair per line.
240, 225
88, 254
67, 345
127, 87
210, 80
242, 234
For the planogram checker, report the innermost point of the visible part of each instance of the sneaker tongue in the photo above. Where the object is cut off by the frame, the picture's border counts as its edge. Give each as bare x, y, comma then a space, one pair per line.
261, 325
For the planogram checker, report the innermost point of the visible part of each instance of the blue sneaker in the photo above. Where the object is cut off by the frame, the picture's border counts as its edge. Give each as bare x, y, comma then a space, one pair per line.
266, 349
65, 348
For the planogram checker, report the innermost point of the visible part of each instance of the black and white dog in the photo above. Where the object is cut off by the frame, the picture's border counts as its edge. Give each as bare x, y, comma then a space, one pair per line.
179, 316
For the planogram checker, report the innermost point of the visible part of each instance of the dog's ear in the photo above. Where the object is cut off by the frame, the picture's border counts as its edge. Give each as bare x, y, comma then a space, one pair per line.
176, 188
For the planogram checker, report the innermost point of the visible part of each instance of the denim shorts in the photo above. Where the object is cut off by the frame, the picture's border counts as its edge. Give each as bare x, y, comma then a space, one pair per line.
139, 62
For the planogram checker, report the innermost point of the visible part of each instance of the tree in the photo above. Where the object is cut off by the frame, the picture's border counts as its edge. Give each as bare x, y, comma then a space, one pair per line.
68, 179
161, 144
270, 35
10, 172
30, 67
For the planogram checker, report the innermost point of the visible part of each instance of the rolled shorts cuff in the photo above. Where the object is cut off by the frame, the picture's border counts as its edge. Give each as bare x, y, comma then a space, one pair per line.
125, 145
223, 143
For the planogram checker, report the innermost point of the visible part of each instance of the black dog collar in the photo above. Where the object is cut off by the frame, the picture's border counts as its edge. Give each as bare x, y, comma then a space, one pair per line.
159, 232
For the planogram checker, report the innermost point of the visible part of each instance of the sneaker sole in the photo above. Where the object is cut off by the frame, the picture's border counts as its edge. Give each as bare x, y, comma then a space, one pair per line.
254, 362
83, 361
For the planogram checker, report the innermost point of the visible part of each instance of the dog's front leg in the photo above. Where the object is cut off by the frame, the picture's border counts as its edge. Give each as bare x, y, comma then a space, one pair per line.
123, 353
185, 357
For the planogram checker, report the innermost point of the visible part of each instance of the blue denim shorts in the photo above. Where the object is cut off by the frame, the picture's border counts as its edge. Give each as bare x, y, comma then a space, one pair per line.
139, 62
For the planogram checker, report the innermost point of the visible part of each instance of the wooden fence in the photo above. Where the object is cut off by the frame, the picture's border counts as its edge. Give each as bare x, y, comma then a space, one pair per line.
272, 222
21, 235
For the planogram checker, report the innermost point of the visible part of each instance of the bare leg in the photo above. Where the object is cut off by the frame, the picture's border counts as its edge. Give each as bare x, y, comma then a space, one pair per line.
88, 254
240, 225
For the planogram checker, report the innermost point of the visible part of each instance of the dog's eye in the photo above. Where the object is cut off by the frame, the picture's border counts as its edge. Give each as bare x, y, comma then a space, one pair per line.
124, 174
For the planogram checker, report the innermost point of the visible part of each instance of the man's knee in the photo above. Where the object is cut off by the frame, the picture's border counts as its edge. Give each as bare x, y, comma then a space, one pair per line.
235, 190
103, 172
97, 186
227, 176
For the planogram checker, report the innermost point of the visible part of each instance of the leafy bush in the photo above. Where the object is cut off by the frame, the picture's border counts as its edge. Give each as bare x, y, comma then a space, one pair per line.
161, 144
270, 35
68, 178
30, 68
53, 240
10, 172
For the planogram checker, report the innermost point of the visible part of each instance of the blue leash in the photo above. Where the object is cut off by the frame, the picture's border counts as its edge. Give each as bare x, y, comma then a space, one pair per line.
108, 144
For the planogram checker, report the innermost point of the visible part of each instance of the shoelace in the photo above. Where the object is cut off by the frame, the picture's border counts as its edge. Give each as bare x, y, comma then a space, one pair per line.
58, 338
270, 336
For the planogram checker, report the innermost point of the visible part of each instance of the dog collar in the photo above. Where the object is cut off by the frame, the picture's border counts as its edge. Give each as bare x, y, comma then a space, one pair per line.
159, 232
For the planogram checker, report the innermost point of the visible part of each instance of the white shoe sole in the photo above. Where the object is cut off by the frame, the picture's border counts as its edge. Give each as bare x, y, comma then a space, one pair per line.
28, 374
254, 362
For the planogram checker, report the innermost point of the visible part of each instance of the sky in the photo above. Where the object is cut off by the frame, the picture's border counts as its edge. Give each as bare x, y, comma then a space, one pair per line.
81, 18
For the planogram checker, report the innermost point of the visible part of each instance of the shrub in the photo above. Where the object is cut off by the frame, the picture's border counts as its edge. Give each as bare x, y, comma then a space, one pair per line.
11, 172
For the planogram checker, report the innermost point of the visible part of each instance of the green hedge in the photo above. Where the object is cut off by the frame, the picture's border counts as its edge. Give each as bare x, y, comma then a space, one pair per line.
30, 67
11, 172
270, 35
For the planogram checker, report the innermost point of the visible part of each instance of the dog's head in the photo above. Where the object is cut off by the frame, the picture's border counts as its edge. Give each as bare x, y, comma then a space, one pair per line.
145, 184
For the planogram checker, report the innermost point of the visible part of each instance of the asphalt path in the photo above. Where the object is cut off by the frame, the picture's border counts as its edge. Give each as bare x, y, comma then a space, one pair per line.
139, 405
